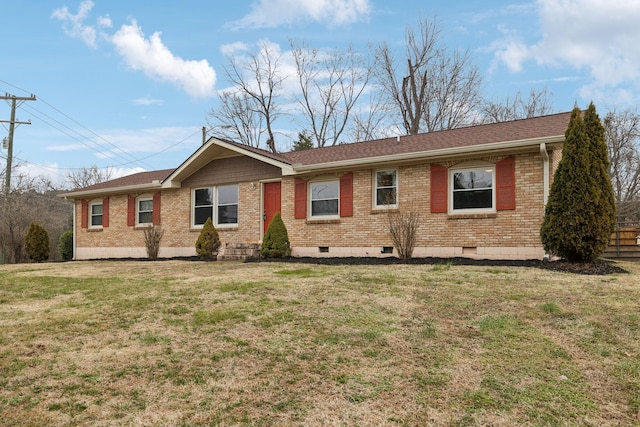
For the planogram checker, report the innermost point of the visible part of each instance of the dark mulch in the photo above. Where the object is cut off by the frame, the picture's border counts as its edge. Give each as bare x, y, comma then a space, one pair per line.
598, 267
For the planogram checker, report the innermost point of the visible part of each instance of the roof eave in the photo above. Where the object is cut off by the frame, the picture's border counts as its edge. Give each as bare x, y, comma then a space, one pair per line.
156, 185
492, 148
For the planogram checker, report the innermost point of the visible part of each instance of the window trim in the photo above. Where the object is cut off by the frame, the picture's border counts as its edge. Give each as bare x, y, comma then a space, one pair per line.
310, 199
376, 205
139, 199
470, 167
91, 215
217, 206
214, 206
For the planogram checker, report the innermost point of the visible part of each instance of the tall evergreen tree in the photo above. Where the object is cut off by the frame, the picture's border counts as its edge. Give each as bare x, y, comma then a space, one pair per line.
604, 206
578, 215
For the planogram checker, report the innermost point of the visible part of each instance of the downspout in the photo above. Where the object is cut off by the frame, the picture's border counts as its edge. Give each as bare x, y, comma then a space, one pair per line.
74, 231
545, 181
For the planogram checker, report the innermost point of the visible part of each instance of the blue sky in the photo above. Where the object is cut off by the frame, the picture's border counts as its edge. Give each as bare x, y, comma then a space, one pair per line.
129, 84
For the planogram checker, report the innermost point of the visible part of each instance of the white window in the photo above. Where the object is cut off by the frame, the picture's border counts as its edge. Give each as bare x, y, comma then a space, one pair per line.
95, 214
386, 188
227, 205
325, 198
145, 211
218, 203
472, 189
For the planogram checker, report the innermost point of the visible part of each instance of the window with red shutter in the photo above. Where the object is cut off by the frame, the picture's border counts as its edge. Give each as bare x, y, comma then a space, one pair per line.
84, 213
155, 215
506, 184
131, 211
346, 195
438, 188
105, 212
300, 198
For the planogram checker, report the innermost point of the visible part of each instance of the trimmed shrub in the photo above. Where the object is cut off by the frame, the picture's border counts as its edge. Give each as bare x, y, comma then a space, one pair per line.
276, 240
65, 245
208, 241
36, 243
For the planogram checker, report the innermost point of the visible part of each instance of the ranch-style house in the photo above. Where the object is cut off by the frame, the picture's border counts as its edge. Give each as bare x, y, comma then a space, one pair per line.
479, 191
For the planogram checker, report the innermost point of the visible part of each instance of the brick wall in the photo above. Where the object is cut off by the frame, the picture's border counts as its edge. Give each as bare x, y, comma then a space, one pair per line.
510, 230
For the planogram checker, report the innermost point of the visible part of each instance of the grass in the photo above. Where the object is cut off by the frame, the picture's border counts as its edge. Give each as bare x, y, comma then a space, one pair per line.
180, 343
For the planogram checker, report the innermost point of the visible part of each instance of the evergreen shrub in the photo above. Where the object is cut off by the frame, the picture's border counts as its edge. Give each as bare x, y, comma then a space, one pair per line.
36, 243
275, 243
208, 241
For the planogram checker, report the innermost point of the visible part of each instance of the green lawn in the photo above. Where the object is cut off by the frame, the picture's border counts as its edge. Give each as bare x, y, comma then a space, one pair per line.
183, 343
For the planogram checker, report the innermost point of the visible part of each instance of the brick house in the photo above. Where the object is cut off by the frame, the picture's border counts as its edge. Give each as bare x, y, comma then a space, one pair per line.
480, 192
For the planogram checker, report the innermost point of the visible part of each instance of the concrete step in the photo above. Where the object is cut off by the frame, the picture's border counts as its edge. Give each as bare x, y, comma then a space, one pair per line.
239, 252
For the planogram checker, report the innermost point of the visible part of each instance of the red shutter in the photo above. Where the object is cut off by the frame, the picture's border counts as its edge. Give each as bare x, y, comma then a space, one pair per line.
346, 195
131, 211
105, 212
84, 213
506, 184
439, 188
155, 215
300, 199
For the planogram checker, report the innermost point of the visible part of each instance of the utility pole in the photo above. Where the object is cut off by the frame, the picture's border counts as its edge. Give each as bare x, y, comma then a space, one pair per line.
14, 104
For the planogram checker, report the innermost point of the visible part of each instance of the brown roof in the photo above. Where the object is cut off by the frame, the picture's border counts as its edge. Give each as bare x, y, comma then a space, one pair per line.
139, 178
517, 130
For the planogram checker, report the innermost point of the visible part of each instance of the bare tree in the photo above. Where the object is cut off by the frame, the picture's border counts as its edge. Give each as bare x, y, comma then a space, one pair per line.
437, 89
369, 121
257, 83
539, 103
622, 131
242, 122
84, 177
331, 84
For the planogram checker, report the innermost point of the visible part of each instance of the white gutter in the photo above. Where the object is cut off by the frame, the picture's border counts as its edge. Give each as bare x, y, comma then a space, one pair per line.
432, 154
546, 172
73, 239
156, 185
545, 183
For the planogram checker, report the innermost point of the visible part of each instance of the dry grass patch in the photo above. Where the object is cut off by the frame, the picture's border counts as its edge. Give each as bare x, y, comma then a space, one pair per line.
186, 343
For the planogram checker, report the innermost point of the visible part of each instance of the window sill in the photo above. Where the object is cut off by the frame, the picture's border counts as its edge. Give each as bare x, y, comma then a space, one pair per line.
323, 221
472, 216
94, 230
375, 211
142, 226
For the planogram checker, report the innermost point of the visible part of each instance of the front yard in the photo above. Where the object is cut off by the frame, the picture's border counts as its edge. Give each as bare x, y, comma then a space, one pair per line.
187, 343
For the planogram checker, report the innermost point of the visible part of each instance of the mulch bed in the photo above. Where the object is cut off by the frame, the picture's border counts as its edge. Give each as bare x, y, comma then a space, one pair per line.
598, 267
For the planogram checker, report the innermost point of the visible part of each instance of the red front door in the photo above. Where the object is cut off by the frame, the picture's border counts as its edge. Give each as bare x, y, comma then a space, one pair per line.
271, 203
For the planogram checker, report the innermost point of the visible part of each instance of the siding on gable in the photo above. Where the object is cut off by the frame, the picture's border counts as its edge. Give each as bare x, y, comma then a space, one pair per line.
232, 170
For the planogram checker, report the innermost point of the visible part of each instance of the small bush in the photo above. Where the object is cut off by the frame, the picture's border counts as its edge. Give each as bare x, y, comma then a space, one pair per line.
208, 241
403, 227
152, 237
276, 240
36, 243
65, 245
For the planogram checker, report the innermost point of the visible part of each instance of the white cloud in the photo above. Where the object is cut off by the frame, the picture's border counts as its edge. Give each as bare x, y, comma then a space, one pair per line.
73, 25
272, 13
232, 48
597, 36
148, 101
152, 57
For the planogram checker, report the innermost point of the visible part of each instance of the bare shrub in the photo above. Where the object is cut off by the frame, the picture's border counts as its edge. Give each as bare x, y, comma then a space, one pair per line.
403, 227
152, 237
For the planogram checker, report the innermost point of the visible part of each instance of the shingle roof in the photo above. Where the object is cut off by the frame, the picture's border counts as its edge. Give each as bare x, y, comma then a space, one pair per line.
139, 178
518, 130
